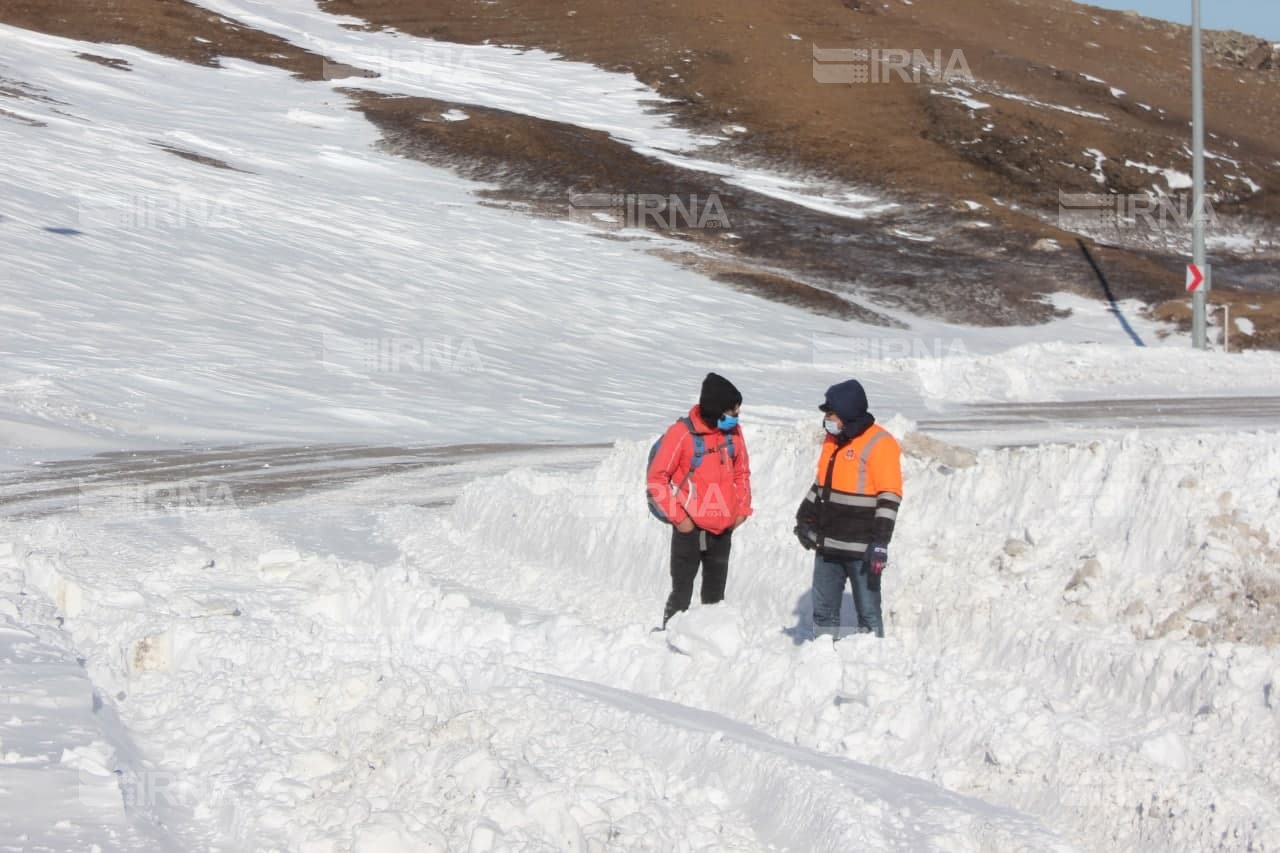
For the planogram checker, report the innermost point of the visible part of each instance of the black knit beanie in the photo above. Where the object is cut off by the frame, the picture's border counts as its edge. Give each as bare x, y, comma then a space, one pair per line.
718, 396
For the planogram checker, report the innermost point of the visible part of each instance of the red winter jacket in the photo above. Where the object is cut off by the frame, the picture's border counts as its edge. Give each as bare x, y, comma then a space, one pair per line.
719, 490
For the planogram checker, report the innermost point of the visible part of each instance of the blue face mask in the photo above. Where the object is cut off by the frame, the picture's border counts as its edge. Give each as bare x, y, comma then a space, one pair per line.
831, 426
727, 422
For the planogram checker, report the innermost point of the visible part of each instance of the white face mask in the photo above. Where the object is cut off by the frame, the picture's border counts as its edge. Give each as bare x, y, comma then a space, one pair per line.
831, 426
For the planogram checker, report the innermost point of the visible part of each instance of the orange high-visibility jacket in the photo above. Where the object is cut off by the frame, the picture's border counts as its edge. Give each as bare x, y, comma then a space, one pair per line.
854, 499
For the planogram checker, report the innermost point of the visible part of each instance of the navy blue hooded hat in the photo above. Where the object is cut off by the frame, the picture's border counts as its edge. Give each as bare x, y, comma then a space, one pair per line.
849, 401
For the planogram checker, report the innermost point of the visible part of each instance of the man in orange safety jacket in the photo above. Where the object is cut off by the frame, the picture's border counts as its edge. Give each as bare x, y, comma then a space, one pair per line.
848, 516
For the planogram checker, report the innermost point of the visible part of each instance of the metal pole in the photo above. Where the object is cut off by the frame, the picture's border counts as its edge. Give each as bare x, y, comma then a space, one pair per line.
1199, 298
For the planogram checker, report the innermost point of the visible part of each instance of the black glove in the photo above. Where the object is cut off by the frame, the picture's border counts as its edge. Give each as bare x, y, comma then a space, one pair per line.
877, 558
805, 533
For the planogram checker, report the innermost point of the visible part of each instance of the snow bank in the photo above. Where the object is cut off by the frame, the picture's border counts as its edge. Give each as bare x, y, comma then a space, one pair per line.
1034, 372
1082, 631
1079, 639
61, 755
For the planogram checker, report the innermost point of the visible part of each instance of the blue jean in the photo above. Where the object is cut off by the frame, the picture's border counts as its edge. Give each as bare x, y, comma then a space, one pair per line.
829, 576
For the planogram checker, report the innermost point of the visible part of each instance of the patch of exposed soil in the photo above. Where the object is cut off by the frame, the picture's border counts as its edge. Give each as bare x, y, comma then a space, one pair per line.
107, 61
1260, 313
169, 27
30, 122
572, 172
202, 159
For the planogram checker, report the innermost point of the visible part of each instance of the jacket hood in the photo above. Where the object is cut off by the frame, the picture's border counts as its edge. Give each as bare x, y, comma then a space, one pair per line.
700, 424
849, 400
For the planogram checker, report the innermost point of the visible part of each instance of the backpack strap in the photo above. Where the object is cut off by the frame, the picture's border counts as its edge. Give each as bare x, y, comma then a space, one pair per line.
699, 444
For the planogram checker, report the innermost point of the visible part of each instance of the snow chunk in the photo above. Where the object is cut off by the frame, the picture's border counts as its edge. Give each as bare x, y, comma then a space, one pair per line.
313, 764
386, 832
454, 115
707, 632
278, 557
1166, 750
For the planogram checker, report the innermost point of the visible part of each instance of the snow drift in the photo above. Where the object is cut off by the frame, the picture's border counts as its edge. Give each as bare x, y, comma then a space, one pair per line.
1078, 653
1082, 631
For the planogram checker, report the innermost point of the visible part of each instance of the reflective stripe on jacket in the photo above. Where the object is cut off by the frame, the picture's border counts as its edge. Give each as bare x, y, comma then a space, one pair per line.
855, 497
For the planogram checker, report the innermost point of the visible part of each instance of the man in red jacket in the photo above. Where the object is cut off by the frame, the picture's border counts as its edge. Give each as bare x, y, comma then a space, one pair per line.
700, 482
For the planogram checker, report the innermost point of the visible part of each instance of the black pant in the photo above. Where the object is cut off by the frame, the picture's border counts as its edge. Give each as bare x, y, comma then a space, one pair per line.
688, 551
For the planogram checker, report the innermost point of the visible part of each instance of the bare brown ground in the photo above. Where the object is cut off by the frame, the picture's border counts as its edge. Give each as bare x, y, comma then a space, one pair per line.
547, 164
737, 64
169, 27
1262, 310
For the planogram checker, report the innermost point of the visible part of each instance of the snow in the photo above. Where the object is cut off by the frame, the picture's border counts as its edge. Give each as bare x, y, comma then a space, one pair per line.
529, 82
1241, 243
1098, 159
1047, 106
961, 96
1028, 697
400, 325
56, 747
1173, 178
456, 653
1248, 182
454, 115
1245, 326
407, 326
915, 238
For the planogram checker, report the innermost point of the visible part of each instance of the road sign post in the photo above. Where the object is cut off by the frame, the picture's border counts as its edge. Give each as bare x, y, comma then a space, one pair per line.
1199, 338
